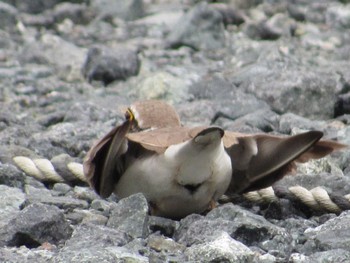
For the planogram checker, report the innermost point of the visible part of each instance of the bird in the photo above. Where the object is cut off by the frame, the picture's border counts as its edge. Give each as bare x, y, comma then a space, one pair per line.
183, 170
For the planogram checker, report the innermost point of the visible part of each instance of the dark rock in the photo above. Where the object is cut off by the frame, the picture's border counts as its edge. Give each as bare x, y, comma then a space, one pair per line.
130, 216
36, 6
342, 105
34, 225
201, 28
231, 16
296, 12
8, 16
11, 176
126, 10
108, 65
77, 13
262, 30
165, 226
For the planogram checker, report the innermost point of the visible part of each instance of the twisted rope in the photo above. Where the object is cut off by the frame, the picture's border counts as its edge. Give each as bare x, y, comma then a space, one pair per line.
45, 171
316, 199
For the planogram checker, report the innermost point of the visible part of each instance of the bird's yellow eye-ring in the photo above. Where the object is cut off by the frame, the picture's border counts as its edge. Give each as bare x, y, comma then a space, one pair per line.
129, 115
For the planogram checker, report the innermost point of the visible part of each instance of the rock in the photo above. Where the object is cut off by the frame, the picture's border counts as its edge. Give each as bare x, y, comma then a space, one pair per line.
85, 193
65, 56
291, 96
333, 234
61, 188
130, 216
201, 28
231, 16
102, 206
77, 13
34, 225
160, 243
262, 120
11, 201
253, 230
11, 176
338, 15
162, 86
95, 243
342, 105
8, 16
288, 121
335, 255
36, 6
107, 65
162, 225
24, 254
222, 248
126, 10
44, 196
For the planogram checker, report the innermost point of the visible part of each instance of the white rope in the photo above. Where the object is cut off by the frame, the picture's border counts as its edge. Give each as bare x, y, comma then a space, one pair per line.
47, 169
322, 197
43, 169
77, 170
29, 167
305, 196
316, 199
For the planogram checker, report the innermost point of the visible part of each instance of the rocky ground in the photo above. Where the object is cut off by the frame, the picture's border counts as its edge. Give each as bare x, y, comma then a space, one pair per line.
67, 68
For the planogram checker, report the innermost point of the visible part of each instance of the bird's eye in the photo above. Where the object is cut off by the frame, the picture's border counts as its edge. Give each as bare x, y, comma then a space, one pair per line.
129, 116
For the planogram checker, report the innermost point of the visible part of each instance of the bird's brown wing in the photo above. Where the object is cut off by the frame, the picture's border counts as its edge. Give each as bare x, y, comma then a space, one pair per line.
159, 140
104, 164
260, 160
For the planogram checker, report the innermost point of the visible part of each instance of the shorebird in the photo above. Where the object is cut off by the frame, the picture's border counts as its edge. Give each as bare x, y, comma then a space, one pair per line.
183, 170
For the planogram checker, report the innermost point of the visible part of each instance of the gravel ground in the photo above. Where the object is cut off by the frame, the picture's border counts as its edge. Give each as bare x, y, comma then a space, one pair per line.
67, 69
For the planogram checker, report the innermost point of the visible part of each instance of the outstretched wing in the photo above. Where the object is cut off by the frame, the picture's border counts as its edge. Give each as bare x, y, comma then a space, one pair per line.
104, 165
260, 160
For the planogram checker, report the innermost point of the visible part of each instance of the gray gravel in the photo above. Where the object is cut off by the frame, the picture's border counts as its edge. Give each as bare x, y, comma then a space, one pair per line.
67, 69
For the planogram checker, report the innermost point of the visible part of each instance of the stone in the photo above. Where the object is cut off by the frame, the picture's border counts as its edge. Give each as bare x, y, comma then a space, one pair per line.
161, 243
108, 65
222, 248
11, 202
284, 95
44, 196
8, 16
94, 243
24, 254
130, 216
124, 9
201, 28
11, 176
338, 15
333, 234
162, 85
162, 225
34, 225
